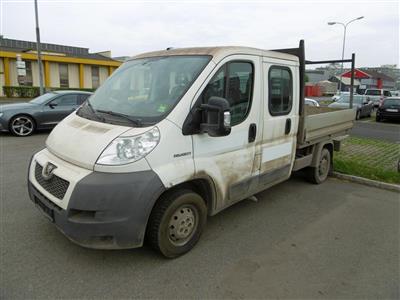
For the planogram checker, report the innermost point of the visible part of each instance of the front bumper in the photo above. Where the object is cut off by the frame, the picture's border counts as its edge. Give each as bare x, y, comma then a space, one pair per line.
388, 115
105, 210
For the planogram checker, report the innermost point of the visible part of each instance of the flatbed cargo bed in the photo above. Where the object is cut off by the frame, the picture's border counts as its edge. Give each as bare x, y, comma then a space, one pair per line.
325, 122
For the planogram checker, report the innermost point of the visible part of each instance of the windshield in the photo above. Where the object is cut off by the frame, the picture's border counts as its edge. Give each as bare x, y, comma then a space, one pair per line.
395, 101
346, 99
42, 99
148, 88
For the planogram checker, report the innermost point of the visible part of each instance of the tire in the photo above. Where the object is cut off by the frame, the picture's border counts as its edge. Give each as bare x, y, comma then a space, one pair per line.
176, 222
319, 173
358, 115
22, 125
378, 119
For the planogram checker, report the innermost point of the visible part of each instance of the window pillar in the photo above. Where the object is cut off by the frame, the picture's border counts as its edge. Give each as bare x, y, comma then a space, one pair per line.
6, 63
81, 77
46, 74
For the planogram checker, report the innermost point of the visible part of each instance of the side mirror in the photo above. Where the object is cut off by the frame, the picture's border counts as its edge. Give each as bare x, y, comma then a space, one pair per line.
217, 117
52, 105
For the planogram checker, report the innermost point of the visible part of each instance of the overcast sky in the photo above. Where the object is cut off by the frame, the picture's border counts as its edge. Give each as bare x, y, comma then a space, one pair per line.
131, 27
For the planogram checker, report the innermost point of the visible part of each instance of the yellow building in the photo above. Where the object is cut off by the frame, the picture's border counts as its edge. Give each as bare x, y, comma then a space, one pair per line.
63, 66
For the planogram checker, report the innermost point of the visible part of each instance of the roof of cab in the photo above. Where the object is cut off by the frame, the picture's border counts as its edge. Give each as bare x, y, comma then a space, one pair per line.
218, 52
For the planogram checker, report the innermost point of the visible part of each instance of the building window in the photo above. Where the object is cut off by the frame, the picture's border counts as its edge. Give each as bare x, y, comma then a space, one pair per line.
280, 91
28, 76
63, 70
95, 77
234, 82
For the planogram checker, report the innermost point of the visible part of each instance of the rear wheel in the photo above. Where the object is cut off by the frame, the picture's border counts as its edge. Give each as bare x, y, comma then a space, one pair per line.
22, 125
319, 173
176, 222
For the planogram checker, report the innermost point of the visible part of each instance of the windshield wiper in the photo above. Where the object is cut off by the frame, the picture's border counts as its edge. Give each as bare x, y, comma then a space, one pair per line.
136, 122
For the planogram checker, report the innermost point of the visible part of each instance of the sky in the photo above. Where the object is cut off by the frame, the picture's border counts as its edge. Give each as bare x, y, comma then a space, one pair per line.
131, 27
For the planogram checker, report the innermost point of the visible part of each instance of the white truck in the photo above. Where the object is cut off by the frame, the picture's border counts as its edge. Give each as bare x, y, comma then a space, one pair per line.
175, 136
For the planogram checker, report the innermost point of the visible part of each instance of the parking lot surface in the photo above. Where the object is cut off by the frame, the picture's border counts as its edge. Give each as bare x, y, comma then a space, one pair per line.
335, 240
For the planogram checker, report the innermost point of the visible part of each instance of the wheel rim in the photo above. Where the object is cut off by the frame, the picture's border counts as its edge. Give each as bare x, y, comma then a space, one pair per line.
323, 166
182, 225
22, 126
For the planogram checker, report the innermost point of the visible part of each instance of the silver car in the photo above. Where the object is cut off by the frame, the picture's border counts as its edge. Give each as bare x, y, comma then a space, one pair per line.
364, 106
43, 112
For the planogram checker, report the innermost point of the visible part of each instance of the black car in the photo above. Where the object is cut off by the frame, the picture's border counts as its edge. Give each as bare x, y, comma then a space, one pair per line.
43, 112
389, 109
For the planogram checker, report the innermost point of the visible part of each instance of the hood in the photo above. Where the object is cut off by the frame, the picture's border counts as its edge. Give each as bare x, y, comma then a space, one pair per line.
81, 141
16, 106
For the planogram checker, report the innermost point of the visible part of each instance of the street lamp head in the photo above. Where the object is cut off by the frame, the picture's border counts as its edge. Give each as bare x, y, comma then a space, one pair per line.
331, 23
359, 18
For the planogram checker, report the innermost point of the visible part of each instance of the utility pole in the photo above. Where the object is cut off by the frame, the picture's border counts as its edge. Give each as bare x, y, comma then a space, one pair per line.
344, 42
39, 54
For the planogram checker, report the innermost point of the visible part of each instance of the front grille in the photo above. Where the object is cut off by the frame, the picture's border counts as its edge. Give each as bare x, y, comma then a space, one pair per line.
55, 185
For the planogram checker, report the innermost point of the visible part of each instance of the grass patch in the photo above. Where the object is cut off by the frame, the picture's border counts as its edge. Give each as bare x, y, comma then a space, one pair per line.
369, 158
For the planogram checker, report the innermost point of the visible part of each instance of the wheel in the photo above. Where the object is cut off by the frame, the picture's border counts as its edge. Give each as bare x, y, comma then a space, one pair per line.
319, 173
22, 125
358, 115
176, 222
378, 118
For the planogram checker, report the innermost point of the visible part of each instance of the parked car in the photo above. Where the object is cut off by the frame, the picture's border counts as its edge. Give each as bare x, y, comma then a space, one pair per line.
377, 95
389, 109
364, 107
43, 112
123, 169
311, 102
337, 96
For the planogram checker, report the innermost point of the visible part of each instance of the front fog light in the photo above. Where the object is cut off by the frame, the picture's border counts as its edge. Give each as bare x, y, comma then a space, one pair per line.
124, 150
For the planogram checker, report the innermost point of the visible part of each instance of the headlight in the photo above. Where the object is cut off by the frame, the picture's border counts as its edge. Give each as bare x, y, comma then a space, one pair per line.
124, 150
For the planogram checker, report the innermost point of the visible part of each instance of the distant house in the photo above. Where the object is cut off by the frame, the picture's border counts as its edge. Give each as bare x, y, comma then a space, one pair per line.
345, 87
372, 79
63, 66
315, 76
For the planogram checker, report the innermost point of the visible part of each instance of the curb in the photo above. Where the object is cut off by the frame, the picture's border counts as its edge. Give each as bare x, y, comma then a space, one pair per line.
369, 182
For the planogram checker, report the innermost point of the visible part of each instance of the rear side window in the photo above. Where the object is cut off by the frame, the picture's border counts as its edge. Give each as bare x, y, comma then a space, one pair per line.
280, 90
234, 82
387, 93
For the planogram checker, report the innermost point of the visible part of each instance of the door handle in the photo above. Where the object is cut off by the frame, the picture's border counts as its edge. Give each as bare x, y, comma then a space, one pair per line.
252, 132
288, 126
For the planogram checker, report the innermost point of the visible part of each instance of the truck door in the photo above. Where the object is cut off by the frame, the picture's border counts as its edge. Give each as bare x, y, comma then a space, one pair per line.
229, 160
280, 121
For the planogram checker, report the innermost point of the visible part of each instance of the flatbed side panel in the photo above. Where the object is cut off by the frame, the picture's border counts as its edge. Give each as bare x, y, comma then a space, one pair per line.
326, 124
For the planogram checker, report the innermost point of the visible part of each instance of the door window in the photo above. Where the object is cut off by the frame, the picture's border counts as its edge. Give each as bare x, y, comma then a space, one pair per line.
66, 100
280, 91
387, 94
234, 82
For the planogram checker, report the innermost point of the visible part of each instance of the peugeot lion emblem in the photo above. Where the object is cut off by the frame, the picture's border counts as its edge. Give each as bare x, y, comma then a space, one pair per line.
47, 171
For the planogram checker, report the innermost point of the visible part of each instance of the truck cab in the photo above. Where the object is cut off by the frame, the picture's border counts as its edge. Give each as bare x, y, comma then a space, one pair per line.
175, 136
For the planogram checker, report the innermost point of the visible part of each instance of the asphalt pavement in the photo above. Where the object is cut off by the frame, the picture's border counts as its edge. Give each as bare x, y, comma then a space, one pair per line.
329, 241
382, 131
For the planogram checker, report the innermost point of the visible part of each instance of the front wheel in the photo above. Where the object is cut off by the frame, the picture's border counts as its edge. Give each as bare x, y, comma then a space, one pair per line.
176, 222
22, 125
319, 173
358, 115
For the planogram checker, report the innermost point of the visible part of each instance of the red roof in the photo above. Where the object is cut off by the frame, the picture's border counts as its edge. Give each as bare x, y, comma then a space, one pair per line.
358, 74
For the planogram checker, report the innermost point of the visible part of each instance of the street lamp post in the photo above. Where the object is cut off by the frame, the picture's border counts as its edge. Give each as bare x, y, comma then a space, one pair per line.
344, 42
39, 55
